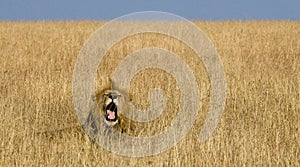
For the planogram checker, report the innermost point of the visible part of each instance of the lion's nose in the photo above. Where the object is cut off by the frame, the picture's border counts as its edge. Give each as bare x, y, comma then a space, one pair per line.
112, 97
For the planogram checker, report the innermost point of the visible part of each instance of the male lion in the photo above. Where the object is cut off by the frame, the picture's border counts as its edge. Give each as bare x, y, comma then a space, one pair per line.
107, 108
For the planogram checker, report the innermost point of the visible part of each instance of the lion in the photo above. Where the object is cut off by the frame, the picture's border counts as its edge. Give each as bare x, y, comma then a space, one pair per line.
107, 108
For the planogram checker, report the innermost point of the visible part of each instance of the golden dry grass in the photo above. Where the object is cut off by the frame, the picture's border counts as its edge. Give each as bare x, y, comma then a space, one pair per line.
260, 125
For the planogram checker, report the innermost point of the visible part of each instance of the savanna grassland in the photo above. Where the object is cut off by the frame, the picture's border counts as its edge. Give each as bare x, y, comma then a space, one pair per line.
259, 127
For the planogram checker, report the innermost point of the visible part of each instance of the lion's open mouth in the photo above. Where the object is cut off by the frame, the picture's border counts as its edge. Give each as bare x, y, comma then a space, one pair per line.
111, 112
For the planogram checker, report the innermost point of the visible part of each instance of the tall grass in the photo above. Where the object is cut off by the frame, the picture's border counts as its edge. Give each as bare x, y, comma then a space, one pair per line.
260, 125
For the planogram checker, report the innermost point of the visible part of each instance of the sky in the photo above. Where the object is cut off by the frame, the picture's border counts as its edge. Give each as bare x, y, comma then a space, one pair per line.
42, 10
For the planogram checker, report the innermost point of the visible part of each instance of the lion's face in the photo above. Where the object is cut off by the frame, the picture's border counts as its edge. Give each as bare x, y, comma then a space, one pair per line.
111, 106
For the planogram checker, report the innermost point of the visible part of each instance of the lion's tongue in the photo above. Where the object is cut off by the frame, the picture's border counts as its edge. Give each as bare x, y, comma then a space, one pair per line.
110, 114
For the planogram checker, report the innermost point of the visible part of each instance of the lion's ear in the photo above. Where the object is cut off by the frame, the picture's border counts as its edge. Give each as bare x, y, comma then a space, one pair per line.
94, 98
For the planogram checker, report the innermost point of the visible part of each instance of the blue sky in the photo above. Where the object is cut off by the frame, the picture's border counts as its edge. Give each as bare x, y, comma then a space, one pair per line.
190, 9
